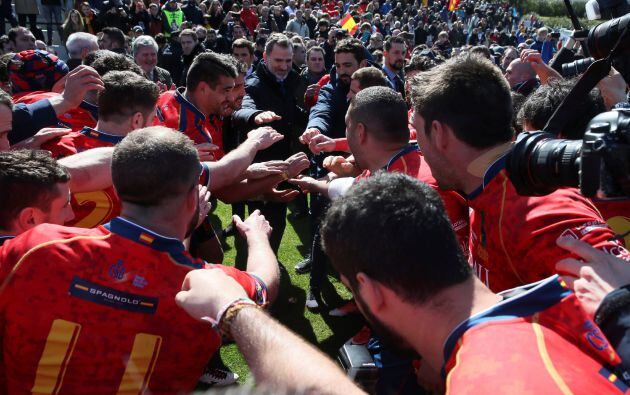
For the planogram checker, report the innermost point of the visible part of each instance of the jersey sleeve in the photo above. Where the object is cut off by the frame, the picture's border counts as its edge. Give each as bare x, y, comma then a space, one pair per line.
60, 147
255, 287
579, 220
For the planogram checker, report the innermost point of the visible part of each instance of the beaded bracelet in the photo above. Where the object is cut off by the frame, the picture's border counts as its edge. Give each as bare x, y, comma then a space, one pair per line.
225, 323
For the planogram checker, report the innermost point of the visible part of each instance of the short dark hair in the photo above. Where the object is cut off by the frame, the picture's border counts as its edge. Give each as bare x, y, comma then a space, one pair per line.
353, 46
27, 179
394, 229
482, 50
125, 94
107, 61
543, 102
393, 40
383, 111
116, 35
208, 67
243, 43
315, 48
469, 94
153, 164
12, 33
420, 63
189, 32
278, 39
370, 76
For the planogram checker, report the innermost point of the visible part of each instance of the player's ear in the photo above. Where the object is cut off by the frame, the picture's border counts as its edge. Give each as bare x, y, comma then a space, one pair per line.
28, 218
370, 291
361, 133
137, 121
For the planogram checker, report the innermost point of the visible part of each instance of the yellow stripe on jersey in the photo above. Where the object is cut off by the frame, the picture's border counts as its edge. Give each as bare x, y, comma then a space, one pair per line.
144, 355
58, 350
542, 350
505, 251
46, 244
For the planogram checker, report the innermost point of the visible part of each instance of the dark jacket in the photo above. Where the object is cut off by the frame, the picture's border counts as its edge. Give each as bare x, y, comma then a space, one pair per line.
613, 317
171, 59
187, 61
265, 93
163, 76
193, 13
328, 114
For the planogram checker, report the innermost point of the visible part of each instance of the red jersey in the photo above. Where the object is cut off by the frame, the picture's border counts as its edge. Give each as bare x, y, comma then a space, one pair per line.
411, 162
86, 115
513, 238
538, 341
616, 212
176, 112
93, 311
90, 208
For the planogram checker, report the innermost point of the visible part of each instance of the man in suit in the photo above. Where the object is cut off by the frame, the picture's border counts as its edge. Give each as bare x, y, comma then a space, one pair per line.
145, 51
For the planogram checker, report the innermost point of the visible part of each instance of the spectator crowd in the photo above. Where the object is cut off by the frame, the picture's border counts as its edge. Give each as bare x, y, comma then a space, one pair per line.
385, 124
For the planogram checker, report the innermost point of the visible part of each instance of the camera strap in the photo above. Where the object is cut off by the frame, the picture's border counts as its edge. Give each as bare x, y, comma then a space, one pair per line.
595, 73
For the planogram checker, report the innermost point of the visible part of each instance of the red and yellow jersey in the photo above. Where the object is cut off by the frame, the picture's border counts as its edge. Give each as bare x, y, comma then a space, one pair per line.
86, 115
176, 112
538, 341
411, 162
93, 311
513, 238
90, 208
616, 212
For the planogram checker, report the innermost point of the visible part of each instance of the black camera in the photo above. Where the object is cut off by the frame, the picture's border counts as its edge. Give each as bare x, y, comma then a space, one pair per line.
577, 67
605, 36
599, 164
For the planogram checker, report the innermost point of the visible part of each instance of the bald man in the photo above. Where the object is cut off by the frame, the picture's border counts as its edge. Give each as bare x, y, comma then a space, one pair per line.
521, 77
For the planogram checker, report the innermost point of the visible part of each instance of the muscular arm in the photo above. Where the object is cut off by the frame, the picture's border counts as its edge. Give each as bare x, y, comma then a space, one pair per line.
247, 189
279, 358
89, 170
229, 169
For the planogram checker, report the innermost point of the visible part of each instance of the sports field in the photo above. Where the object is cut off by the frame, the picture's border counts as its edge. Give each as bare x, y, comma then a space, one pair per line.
328, 333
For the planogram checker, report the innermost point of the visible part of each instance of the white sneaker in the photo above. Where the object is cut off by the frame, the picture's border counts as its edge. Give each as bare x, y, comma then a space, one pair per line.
311, 301
218, 377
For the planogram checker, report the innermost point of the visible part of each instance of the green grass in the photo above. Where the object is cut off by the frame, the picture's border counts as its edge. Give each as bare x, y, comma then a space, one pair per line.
565, 22
327, 333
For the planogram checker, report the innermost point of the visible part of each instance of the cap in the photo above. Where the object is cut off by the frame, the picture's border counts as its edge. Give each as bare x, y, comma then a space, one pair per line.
35, 70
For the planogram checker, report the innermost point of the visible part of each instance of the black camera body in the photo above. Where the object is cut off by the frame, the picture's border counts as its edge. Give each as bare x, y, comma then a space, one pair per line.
599, 164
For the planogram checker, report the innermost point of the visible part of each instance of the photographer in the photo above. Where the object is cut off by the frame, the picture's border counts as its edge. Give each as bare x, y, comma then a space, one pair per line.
512, 237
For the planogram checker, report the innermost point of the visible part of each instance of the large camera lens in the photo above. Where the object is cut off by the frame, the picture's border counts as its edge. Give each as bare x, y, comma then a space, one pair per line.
603, 37
539, 164
570, 70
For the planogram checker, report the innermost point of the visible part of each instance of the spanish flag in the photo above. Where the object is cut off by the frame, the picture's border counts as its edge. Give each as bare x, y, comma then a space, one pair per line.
348, 24
452, 4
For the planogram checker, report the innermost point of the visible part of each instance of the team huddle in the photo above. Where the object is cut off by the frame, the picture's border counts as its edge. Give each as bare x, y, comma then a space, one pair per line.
112, 277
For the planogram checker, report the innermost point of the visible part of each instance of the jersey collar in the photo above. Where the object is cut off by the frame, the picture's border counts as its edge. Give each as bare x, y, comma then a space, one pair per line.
494, 169
132, 231
184, 103
407, 149
95, 134
527, 300
91, 108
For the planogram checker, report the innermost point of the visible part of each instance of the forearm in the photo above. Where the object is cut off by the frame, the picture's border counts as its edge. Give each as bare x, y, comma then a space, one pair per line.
228, 170
89, 170
262, 262
247, 189
280, 359
60, 105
